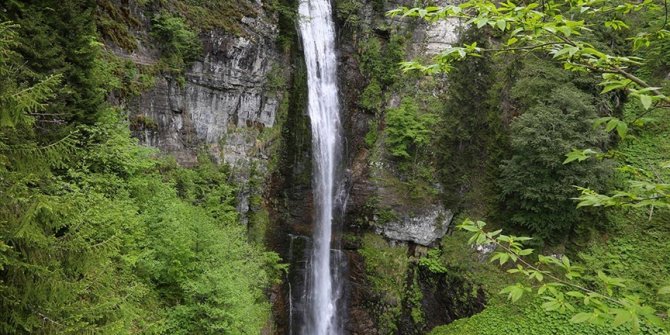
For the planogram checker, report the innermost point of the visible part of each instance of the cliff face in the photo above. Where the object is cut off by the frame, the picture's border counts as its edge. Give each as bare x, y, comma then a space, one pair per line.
242, 102
394, 195
224, 107
224, 104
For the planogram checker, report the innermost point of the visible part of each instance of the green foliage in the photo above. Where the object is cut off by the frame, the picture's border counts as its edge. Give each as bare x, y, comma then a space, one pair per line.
372, 97
99, 236
210, 278
125, 78
529, 319
407, 129
379, 60
372, 135
59, 42
635, 247
557, 280
469, 146
18, 101
386, 270
432, 262
129, 248
551, 116
536, 187
179, 44
413, 300
116, 23
348, 11
560, 28
207, 185
221, 14
386, 265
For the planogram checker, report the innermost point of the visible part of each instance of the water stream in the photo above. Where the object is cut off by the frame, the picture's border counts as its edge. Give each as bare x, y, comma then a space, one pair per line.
322, 313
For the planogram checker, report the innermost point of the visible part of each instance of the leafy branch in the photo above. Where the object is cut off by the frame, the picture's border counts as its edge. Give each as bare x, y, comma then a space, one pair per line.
555, 279
550, 28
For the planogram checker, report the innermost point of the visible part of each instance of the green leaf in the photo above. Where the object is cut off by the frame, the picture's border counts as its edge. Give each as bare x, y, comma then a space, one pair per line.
480, 22
525, 252
514, 292
581, 317
501, 24
622, 129
622, 316
611, 124
575, 294
646, 101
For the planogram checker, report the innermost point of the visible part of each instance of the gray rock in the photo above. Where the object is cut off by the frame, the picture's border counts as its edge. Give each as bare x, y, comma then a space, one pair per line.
484, 251
441, 35
223, 104
423, 229
224, 91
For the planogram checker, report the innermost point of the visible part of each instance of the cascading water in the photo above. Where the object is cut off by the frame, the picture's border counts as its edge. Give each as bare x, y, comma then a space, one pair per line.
323, 289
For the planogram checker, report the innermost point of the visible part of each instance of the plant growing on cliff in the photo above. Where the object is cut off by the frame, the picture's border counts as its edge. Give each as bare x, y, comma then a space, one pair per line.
407, 129
536, 187
179, 44
569, 31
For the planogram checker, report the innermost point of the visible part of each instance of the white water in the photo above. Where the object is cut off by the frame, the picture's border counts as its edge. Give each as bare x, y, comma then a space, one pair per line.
318, 39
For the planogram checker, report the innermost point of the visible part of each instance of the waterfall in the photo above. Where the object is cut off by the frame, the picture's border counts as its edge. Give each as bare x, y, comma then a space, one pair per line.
323, 283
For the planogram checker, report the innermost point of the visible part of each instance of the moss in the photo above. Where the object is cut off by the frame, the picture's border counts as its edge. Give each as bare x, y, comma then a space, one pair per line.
414, 299
123, 77
385, 266
259, 221
372, 98
372, 134
297, 139
115, 23
142, 122
385, 215
207, 15
386, 269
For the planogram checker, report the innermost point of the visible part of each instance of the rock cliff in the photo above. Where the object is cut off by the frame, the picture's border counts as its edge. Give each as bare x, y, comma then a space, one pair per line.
242, 102
394, 195
224, 104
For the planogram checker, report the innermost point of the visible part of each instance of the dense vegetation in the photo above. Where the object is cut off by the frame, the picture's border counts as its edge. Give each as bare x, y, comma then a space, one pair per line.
564, 71
98, 234
101, 235
546, 102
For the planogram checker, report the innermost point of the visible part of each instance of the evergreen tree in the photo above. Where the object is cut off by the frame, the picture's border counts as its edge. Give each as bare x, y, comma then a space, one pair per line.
464, 144
94, 239
59, 37
536, 187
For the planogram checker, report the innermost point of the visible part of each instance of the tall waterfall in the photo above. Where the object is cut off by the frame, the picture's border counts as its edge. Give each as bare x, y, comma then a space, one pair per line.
323, 282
